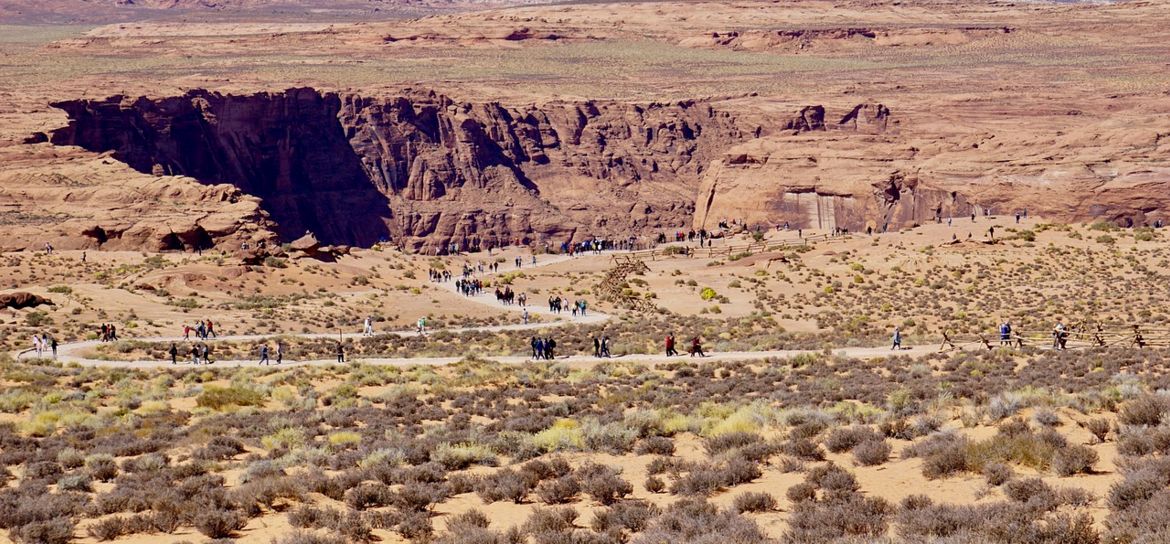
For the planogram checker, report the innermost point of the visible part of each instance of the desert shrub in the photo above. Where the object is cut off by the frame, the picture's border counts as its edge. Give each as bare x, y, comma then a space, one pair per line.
75, 482
1029, 490
1046, 417
853, 516
720, 443
57, 530
1099, 427
70, 458
470, 519
218, 523
218, 398
1075, 459
146, 463
604, 484
695, 520
107, 529
655, 484
461, 456
369, 495
1141, 482
550, 520
941, 458
302, 537
559, 490
803, 491
1146, 410
872, 452
545, 469
42, 470
613, 437
752, 501
633, 516
101, 467
997, 474
219, 448
655, 445
804, 449
505, 484
841, 440
416, 526
419, 496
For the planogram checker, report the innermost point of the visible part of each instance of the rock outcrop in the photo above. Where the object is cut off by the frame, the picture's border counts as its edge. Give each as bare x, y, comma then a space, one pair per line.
18, 301
421, 169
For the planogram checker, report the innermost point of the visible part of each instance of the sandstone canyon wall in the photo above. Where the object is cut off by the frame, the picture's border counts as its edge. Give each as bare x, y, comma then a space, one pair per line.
419, 168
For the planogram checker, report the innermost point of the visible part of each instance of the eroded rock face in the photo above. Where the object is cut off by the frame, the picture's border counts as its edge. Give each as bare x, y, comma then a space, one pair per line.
17, 301
419, 168
876, 174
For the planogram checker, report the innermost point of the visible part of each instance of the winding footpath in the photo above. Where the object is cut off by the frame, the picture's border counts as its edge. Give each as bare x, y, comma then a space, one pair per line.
70, 353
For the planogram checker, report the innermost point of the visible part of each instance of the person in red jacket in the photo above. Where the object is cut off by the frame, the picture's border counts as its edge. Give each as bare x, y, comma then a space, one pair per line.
670, 351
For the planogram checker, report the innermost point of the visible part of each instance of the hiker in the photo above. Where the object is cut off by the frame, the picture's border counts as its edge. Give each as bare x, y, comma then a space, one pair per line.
174, 351
605, 346
37, 346
596, 346
1017, 218
113, 333
340, 352
195, 352
201, 331
991, 232
207, 354
1059, 337
105, 332
524, 315
697, 347
53, 346
1005, 334
210, 330
1138, 340
897, 338
264, 354
279, 352
186, 331
550, 347
670, 351
422, 326
535, 343
368, 330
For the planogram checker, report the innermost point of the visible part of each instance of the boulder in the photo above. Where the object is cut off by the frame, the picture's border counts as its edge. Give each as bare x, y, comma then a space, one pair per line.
18, 301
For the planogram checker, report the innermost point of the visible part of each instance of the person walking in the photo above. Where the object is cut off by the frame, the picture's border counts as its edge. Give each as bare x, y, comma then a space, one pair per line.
211, 329
1005, 334
897, 339
195, 352
264, 355
605, 346
207, 354
524, 314
37, 345
368, 330
174, 351
697, 347
596, 346
186, 331
53, 346
550, 349
670, 351
422, 326
340, 352
279, 352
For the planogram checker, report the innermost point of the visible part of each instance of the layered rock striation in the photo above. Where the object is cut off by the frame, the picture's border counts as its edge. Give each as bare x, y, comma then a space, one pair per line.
419, 168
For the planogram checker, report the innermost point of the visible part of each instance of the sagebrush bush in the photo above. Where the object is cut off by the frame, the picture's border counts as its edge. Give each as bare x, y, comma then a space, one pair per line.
872, 452
1075, 459
1099, 427
1146, 410
655, 445
752, 501
695, 520
558, 491
997, 474
604, 484
217, 523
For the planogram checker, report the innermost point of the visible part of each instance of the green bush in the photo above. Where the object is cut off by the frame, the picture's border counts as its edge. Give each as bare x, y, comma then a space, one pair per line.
707, 293
217, 398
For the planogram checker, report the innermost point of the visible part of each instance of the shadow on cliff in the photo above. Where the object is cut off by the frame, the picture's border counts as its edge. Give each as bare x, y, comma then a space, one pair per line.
286, 148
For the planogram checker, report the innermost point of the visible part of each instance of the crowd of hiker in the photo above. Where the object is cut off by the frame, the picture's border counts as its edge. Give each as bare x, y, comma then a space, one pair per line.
203, 330
109, 333
543, 348
44, 343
